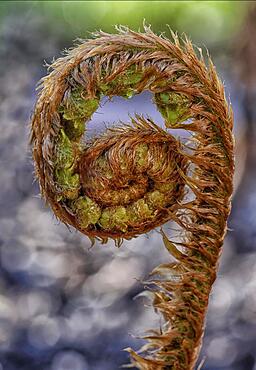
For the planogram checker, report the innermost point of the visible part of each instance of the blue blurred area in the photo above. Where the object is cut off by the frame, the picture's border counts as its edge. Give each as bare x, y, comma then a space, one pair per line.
64, 306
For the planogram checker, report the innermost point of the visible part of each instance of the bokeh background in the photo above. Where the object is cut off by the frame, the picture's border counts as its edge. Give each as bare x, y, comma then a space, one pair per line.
64, 305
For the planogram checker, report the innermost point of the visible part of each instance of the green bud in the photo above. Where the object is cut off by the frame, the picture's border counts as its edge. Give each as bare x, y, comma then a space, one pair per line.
64, 151
114, 218
155, 199
174, 107
141, 155
88, 212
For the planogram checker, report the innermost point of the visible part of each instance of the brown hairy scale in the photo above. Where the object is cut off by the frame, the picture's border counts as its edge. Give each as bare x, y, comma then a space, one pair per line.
136, 177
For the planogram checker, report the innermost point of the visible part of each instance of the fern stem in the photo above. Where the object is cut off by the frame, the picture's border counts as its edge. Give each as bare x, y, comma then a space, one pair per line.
134, 178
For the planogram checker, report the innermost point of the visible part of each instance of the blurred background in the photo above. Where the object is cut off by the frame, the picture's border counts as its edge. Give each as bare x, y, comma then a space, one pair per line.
64, 306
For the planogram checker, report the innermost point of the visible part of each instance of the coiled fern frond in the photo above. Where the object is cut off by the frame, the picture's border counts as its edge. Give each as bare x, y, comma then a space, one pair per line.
134, 178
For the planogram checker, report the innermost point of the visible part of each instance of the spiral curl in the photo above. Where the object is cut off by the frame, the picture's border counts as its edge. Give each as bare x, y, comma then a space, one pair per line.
134, 178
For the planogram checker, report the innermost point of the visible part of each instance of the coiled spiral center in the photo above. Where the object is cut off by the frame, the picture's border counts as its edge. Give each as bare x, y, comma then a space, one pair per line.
130, 177
126, 181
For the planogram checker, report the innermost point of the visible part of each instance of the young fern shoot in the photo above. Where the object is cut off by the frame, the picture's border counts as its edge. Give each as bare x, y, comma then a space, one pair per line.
136, 177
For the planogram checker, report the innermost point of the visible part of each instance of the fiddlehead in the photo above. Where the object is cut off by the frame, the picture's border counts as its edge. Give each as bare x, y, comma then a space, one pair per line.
136, 177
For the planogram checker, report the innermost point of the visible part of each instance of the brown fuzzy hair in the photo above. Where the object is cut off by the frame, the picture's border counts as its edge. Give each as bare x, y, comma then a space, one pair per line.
134, 178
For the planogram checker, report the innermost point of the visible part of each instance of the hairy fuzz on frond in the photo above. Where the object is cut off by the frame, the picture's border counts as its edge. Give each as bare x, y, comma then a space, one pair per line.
136, 177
